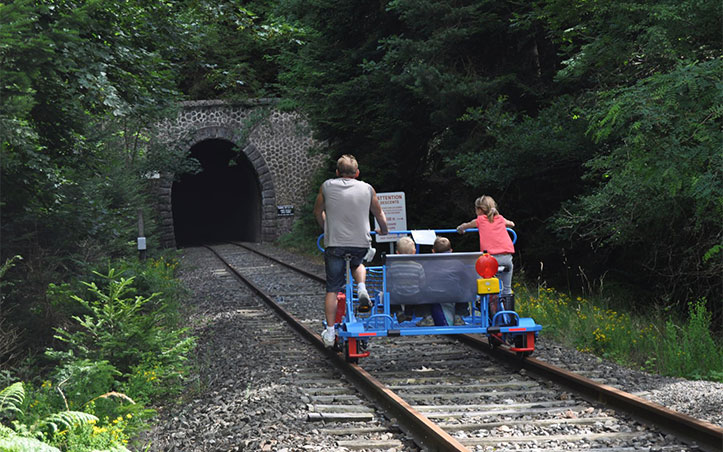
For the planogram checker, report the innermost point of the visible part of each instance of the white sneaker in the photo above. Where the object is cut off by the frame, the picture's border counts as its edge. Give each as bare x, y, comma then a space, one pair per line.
364, 301
329, 337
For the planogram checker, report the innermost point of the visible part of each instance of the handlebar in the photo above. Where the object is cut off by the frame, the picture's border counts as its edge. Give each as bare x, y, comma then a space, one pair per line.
436, 231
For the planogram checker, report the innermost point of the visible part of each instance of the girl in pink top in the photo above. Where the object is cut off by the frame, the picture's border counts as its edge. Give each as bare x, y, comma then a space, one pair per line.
494, 239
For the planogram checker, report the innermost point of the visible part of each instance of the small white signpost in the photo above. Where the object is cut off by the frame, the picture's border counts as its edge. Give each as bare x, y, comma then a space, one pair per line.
395, 209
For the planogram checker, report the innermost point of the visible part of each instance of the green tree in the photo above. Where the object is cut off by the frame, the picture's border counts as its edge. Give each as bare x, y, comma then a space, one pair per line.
647, 78
657, 202
82, 82
391, 82
587, 121
231, 48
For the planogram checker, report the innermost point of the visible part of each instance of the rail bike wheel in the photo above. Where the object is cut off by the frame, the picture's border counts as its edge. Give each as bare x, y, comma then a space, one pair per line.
521, 341
494, 340
337, 345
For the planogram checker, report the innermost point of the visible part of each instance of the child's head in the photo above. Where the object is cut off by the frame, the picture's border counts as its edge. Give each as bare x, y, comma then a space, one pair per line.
441, 245
487, 206
405, 245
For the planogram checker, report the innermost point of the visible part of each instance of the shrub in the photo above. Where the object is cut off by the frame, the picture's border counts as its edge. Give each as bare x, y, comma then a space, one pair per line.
689, 350
123, 349
131, 332
156, 275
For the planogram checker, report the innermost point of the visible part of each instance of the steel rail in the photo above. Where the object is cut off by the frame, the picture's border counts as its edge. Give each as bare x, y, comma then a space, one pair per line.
425, 433
706, 435
279, 261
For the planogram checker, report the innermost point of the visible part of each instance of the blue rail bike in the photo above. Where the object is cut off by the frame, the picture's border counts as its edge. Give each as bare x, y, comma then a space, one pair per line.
447, 282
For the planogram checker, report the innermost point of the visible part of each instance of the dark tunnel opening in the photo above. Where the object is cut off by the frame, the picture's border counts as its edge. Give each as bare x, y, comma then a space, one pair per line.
220, 203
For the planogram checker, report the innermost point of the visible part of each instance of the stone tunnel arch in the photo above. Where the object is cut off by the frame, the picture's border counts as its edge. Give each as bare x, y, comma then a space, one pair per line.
274, 148
201, 221
220, 203
244, 221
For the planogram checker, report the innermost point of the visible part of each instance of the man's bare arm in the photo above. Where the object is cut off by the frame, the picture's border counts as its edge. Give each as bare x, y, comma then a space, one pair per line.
319, 213
378, 213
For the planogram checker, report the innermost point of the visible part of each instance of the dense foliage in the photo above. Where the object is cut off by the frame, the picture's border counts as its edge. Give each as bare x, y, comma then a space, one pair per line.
595, 125
231, 46
123, 351
83, 85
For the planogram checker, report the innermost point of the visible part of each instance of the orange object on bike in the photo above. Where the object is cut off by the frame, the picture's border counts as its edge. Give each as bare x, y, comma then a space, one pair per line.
340, 307
486, 266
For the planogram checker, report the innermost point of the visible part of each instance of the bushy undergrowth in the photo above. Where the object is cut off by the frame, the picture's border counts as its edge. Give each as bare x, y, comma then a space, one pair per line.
305, 230
657, 343
122, 349
302, 238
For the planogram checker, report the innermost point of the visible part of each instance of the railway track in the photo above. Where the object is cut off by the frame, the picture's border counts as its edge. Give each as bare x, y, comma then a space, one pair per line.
443, 395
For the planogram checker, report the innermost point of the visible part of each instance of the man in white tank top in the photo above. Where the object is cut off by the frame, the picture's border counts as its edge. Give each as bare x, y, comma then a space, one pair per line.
342, 208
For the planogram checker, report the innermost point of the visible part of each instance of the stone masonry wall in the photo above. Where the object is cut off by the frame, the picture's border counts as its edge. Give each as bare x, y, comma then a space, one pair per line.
276, 143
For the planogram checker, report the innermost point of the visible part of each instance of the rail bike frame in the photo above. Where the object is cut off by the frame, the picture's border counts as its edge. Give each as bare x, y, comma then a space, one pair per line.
355, 329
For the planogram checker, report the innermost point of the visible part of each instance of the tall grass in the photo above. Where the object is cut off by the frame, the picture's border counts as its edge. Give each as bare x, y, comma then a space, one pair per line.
658, 343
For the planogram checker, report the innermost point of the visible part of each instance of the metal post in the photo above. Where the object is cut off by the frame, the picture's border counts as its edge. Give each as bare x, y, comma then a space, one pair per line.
141, 236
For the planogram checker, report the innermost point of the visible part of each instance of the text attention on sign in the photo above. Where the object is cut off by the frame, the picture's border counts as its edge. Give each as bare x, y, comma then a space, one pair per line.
395, 209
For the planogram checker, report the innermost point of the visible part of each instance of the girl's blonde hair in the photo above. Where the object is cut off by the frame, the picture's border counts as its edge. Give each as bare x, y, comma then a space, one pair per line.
488, 206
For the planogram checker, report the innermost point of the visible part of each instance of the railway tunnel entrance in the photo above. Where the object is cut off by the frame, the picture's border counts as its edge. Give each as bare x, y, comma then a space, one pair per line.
220, 203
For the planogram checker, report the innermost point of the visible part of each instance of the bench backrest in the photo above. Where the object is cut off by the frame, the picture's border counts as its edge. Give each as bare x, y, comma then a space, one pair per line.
431, 278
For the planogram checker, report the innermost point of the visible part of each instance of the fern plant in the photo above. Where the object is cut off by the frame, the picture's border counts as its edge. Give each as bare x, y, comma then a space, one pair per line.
11, 398
34, 438
16, 443
66, 420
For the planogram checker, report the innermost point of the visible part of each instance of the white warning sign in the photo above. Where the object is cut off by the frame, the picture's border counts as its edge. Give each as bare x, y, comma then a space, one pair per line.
395, 209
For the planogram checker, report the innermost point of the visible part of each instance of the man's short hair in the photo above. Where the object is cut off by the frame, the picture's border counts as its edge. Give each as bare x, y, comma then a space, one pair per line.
347, 165
406, 245
441, 245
